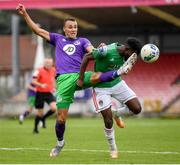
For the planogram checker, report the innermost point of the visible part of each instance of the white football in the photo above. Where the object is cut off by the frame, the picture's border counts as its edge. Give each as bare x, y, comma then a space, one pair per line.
149, 53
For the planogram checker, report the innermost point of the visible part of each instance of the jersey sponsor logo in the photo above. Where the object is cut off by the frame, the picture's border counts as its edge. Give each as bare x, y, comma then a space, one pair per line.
69, 49
112, 59
100, 103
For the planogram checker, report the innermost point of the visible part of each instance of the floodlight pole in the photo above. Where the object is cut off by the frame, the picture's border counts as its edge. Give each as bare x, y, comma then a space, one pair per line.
15, 54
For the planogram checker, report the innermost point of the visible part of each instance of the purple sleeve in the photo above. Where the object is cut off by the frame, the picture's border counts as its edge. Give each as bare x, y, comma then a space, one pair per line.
53, 38
86, 43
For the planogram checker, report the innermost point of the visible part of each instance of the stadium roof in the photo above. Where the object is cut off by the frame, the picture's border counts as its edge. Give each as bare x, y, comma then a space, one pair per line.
103, 14
163, 17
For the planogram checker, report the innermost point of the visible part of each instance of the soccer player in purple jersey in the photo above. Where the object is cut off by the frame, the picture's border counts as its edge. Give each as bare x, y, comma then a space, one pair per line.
31, 93
69, 51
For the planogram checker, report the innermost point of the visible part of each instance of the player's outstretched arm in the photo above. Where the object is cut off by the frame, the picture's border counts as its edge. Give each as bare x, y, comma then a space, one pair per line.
35, 28
84, 64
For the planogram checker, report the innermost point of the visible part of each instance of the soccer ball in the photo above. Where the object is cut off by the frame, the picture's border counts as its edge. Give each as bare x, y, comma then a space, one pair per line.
149, 53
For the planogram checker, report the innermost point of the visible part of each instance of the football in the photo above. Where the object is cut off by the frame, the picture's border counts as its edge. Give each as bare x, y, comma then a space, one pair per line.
149, 53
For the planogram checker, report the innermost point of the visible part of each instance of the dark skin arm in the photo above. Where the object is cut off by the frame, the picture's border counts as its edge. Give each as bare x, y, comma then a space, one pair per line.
88, 57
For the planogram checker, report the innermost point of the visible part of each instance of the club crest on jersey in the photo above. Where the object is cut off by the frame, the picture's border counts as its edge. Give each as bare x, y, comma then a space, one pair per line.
77, 43
102, 50
69, 49
100, 103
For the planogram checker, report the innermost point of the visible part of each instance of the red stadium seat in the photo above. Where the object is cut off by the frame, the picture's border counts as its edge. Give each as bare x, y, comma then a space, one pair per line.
153, 81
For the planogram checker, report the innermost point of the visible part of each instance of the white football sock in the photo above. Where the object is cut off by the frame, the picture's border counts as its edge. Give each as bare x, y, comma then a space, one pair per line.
109, 133
60, 143
120, 71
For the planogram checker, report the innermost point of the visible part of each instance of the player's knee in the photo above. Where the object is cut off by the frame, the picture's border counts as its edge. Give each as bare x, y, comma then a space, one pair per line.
134, 106
61, 120
95, 77
137, 109
53, 106
61, 117
108, 123
40, 113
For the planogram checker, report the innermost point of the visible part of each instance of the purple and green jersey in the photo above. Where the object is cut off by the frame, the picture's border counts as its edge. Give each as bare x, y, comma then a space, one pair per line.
31, 92
69, 52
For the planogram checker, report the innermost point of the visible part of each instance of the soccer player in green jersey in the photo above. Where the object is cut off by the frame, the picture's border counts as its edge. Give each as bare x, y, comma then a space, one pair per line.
107, 59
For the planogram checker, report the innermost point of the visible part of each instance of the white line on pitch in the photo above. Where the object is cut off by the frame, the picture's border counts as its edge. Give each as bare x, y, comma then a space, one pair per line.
87, 150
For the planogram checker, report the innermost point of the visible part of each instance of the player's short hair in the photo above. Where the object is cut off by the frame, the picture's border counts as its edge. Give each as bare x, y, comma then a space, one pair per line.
68, 19
134, 44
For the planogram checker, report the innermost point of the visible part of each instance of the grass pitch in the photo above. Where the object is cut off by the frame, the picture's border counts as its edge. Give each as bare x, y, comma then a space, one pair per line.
142, 141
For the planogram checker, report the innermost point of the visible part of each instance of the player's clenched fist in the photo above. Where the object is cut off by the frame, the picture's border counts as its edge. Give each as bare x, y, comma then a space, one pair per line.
21, 9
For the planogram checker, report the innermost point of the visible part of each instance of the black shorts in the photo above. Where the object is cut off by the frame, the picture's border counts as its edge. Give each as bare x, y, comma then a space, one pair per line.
42, 97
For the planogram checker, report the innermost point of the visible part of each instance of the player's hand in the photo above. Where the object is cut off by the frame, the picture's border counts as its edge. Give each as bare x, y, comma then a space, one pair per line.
54, 90
43, 85
80, 83
21, 9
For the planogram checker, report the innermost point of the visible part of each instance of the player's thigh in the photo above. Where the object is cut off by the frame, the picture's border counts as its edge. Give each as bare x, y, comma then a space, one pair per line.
101, 99
90, 79
53, 106
134, 105
66, 86
62, 115
39, 100
122, 92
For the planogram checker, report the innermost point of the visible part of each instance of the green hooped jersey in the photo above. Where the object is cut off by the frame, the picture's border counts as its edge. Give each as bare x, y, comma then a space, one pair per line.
107, 58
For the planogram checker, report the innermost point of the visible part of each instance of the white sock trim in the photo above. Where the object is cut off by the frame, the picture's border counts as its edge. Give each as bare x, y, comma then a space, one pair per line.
60, 143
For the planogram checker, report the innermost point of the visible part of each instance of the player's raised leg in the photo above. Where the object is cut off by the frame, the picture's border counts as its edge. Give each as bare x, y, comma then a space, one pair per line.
96, 77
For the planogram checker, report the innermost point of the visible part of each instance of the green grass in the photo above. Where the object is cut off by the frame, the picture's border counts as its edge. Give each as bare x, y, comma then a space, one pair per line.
142, 141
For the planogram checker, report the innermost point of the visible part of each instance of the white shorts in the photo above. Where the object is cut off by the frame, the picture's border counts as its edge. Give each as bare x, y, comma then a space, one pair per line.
102, 97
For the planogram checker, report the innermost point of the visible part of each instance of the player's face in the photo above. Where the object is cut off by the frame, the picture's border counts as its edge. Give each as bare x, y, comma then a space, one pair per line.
48, 63
127, 52
70, 29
